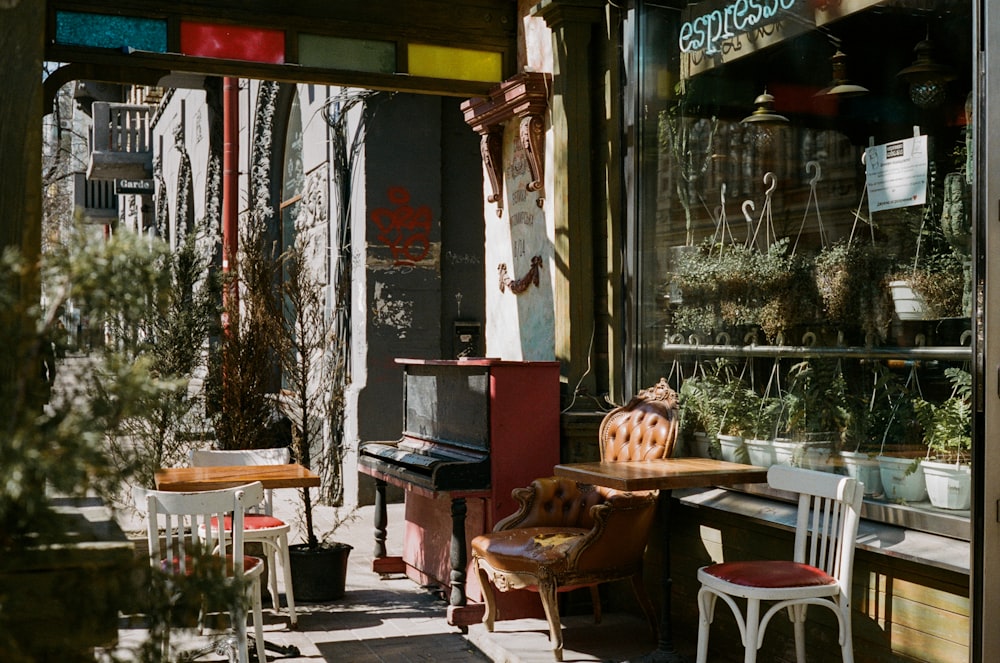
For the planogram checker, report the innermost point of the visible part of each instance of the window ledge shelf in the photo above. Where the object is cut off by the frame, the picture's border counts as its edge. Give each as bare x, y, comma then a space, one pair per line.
916, 546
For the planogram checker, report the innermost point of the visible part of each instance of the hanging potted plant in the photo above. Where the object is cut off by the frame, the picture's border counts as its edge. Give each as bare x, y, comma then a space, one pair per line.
787, 298
851, 280
694, 280
947, 430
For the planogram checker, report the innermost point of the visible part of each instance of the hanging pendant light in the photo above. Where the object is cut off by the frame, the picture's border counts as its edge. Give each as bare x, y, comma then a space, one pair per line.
763, 122
927, 78
764, 113
840, 86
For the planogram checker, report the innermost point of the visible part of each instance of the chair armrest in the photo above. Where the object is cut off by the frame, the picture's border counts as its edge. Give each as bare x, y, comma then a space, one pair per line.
621, 529
552, 501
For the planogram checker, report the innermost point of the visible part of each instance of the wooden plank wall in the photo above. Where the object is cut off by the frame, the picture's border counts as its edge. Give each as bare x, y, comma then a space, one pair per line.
903, 611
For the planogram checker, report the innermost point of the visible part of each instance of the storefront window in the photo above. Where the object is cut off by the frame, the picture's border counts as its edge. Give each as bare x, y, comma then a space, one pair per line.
804, 236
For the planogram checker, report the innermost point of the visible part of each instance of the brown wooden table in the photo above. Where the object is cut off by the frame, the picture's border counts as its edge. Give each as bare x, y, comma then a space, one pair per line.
190, 479
663, 475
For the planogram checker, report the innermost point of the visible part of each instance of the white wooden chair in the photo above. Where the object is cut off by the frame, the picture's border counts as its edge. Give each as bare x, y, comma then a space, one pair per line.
260, 524
178, 517
819, 573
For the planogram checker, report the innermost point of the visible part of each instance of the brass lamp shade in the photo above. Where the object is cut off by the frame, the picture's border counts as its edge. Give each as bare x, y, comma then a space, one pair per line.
841, 86
927, 78
764, 113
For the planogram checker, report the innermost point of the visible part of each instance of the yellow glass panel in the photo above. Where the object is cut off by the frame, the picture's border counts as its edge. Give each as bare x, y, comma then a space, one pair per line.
455, 63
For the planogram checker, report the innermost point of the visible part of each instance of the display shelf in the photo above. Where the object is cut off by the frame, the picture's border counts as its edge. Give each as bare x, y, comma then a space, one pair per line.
940, 353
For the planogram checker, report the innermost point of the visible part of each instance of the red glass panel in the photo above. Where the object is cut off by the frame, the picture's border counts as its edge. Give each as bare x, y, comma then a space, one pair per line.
232, 42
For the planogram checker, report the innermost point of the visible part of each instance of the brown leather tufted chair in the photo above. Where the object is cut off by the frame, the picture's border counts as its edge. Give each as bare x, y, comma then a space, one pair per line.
567, 535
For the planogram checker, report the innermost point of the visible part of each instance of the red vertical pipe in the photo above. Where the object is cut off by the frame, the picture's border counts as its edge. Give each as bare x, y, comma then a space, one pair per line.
230, 175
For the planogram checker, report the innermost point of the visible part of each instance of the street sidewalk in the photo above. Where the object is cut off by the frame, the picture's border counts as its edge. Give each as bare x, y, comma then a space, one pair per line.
394, 619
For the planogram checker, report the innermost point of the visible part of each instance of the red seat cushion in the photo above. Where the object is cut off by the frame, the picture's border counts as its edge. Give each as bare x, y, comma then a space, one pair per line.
252, 521
770, 573
249, 563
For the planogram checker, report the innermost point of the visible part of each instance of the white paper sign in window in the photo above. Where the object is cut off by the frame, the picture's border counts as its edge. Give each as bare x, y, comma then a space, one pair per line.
896, 174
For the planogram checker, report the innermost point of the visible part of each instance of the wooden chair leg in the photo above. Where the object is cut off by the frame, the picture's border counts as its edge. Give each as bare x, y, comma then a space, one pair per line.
489, 597
547, 590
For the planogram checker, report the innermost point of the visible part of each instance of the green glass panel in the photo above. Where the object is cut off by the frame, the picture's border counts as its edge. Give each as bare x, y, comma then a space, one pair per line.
103, 31
348, 54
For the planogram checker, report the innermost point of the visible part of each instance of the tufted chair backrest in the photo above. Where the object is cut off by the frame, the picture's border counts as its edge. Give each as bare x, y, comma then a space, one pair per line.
644, 429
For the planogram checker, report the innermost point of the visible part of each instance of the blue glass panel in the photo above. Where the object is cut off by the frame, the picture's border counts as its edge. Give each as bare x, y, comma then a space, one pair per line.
103, 31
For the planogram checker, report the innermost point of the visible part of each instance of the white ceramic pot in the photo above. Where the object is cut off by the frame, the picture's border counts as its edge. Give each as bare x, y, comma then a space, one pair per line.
864, 468
909, 304
949, 486
760, 452
733, 448
815, 456
784, 451
897, 484
702, 447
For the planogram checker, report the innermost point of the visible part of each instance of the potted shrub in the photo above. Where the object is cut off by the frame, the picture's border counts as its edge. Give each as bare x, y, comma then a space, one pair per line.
763, 428
818, 411
738, 404
947, 430
313, 359
899, 456
873, 421
699, 418
59, 553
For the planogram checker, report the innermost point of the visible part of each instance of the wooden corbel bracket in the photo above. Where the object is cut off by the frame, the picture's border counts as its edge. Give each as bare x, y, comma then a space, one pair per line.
525, 97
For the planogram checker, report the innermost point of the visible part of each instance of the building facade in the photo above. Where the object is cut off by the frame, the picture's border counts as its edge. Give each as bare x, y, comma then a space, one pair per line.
661, 125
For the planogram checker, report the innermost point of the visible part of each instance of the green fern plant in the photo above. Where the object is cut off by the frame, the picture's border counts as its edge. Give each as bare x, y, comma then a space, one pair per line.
948, 425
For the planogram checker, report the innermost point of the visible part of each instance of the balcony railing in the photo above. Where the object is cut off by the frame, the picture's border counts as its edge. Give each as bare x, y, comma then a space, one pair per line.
121, 142
95, 201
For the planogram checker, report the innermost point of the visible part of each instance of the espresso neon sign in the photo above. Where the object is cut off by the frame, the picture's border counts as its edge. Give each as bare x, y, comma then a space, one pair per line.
707, 31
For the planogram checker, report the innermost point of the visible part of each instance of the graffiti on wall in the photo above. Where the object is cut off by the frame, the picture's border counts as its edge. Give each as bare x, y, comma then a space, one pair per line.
405, 230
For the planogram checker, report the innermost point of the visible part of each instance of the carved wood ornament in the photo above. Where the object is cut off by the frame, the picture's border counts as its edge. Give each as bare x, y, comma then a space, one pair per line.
521, 284
526, 97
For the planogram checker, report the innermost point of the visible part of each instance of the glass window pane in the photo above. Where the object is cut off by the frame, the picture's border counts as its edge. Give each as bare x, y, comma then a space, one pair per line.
799, 163
103, 31
349, 54
454, 63
232, 42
